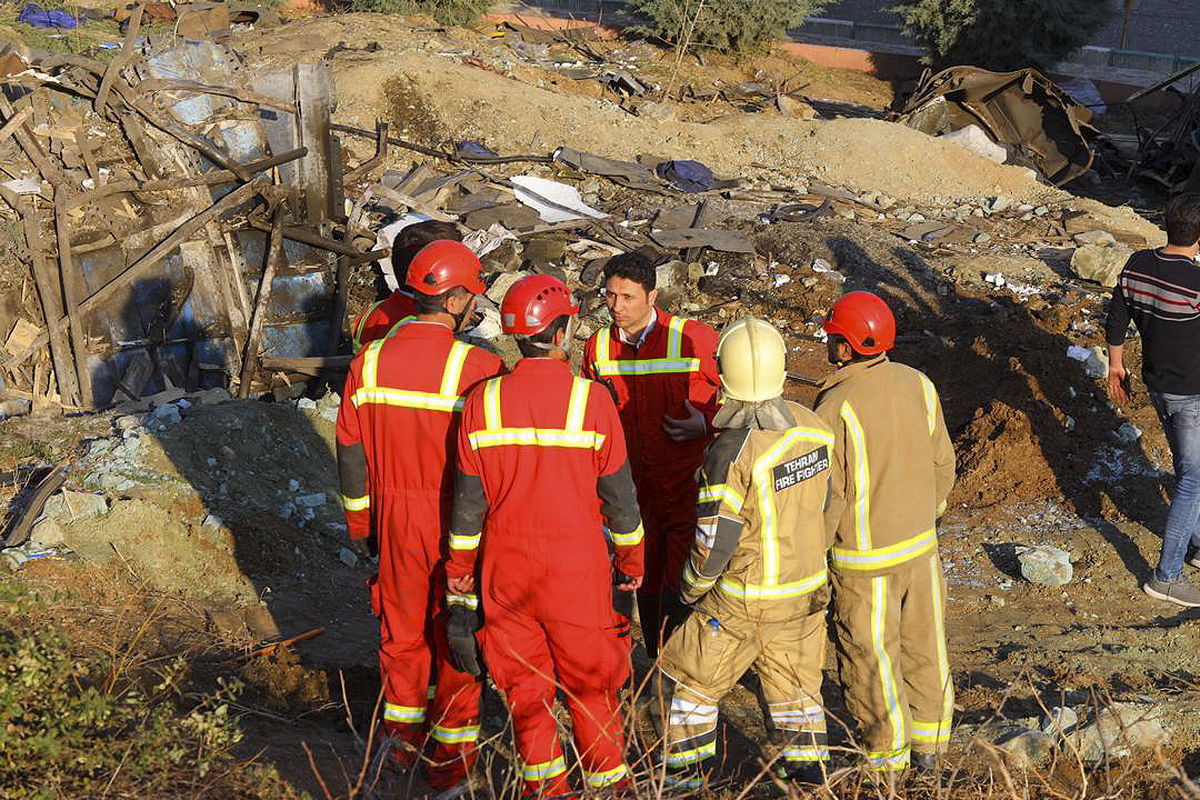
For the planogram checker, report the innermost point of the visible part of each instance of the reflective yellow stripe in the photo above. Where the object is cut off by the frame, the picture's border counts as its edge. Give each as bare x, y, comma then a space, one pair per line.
885, 760
816, 753
578, 404
931, 403
882, 557
460, 541
673, 363
446, 399
931, 732
695, 580
685, 757
356, 503
862, 478
407, 399
573, 435
410, 714
468, 600
886, 677
766, 494
939, 631
356, 340
774, 591
628, 539
535, 437
607, 778
722, 493
467, 733
545, 771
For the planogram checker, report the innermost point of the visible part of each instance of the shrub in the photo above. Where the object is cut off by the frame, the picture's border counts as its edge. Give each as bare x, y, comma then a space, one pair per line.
80, 724
1002, 35
731, 26
447, 12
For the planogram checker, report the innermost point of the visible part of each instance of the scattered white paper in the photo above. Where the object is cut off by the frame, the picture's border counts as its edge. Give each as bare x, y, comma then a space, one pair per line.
484, 242
383, 239
554, 201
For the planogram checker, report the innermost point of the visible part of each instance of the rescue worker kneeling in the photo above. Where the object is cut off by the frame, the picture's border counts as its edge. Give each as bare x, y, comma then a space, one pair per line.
542, 455
756, 573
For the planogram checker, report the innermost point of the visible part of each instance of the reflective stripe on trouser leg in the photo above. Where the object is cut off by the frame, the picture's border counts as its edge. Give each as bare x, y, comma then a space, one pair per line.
453, 720
927, 676
802, 729
405, 661
867, 611
789, 670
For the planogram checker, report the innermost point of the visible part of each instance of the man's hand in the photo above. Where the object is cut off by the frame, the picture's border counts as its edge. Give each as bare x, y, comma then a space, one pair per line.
364, 547
463, 585
1118, 376
692, 426
630, 584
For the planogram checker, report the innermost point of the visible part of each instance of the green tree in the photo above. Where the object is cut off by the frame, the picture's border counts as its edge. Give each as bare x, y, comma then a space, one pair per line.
1002, 35
731, 26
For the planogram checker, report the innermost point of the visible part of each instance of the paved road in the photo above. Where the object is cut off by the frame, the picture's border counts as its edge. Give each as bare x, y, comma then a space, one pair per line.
1158, 26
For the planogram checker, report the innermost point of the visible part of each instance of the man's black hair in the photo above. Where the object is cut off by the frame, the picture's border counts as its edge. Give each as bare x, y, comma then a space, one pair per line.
528, 344
435, 304
854, 354
635, 266
410, 240
1183, 220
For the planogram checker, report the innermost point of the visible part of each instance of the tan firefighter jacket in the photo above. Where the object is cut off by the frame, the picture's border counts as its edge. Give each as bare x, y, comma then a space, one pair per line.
760, 540
893, 465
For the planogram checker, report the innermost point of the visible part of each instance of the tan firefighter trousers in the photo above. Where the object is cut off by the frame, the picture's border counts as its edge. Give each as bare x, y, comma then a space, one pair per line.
701, 663
891, 647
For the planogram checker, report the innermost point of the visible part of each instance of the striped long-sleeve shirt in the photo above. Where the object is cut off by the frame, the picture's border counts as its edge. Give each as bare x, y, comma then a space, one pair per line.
1160, 293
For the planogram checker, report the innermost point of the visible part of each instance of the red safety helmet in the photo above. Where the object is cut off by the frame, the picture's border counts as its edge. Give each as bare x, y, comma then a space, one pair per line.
863, 320
440, 266
532, 303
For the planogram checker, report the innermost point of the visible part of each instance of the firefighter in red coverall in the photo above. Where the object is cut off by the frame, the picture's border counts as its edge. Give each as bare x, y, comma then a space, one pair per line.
395, 432
542, 456
661, 371
384, 316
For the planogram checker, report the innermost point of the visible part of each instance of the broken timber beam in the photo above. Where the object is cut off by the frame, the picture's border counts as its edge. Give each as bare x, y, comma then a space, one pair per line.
342, 287
118, 63
72, 281
313, 240
64, 371
274, 257
310, 365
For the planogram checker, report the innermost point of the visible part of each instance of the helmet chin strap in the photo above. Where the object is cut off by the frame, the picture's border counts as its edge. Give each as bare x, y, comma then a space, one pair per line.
460, 316
568, 337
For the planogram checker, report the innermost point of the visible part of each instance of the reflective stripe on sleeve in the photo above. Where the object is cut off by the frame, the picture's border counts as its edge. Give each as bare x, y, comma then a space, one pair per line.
356, 503
459, 541
467, 600
628, 539
721, 493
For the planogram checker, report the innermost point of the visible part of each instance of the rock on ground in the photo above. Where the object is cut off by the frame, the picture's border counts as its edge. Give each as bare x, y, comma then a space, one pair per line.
1046, 565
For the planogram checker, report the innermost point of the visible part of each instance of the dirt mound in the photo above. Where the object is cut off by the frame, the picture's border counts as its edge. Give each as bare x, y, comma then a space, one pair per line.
1000, 460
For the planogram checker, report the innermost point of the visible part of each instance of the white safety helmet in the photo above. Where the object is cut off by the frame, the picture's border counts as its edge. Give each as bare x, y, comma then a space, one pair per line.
752, 359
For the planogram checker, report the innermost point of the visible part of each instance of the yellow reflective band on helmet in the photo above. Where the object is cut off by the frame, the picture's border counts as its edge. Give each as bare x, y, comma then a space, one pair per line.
885, 760
685, 758
460, 541
882, 557
774, 592
862, 478
467, 733
544, 771
409, 714
931, 732
467, 600
356, 503
722, 493
445, 399
887, 679
673, 363
628, 539
931, 403
571, 435
598, 780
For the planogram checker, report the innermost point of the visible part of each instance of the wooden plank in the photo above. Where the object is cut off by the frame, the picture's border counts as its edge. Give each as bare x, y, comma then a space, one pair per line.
16, 121
314, 98
18, 534
118, 63
274, 260
311, 365
72, 282
51, 301
339, 306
